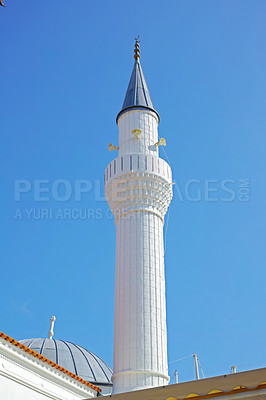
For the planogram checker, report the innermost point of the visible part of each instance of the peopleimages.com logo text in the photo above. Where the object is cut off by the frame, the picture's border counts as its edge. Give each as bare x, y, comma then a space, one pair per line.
63, 190
74, 196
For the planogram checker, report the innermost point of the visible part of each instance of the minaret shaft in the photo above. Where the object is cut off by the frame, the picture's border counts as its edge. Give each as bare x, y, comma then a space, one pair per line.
138, 188
147, 123
140, 344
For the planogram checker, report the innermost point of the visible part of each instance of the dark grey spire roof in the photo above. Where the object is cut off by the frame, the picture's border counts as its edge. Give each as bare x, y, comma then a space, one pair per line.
137, 95
74, 358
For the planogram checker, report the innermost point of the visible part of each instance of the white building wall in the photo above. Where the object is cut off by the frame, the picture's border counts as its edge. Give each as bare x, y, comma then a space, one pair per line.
138, 187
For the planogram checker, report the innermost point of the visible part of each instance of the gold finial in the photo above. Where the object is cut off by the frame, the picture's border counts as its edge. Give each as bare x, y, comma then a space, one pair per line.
136, 51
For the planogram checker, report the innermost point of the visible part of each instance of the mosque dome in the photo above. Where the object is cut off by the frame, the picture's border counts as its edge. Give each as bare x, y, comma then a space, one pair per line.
74, 358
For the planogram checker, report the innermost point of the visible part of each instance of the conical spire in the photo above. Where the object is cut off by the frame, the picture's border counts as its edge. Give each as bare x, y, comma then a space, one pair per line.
137, 95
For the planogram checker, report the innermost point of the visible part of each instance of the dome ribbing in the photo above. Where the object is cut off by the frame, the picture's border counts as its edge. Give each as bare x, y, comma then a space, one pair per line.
74, 358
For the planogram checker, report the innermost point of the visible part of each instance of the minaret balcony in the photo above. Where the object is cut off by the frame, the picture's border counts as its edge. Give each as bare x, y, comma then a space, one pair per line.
138, 183
137, 163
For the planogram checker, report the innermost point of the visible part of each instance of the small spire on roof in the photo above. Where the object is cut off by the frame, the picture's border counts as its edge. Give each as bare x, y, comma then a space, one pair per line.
136, 51
51, 330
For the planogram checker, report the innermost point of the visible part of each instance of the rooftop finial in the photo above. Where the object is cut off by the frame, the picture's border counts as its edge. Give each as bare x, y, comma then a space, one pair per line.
136, 51
51, 330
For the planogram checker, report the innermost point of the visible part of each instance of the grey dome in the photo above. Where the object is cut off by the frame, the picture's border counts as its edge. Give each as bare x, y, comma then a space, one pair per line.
74, 358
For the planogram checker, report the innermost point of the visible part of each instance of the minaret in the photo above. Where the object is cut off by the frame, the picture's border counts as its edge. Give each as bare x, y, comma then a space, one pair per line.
138, 188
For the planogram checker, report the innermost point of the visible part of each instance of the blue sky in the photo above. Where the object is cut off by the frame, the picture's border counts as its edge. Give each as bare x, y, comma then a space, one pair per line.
65, 67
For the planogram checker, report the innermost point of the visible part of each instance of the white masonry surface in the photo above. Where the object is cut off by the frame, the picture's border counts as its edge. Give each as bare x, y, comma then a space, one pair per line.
138, 188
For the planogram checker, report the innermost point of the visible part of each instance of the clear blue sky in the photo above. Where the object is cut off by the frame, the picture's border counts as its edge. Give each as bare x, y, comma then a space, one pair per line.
65, 67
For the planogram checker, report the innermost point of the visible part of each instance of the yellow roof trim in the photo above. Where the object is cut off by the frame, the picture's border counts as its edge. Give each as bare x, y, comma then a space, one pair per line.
217, 393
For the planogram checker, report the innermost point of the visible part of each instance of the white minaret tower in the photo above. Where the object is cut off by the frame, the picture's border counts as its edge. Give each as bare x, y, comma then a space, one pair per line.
138, 188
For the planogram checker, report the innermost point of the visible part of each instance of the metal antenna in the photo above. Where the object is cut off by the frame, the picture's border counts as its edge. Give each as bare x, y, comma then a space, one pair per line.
196, 365
51, 330
201, 369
